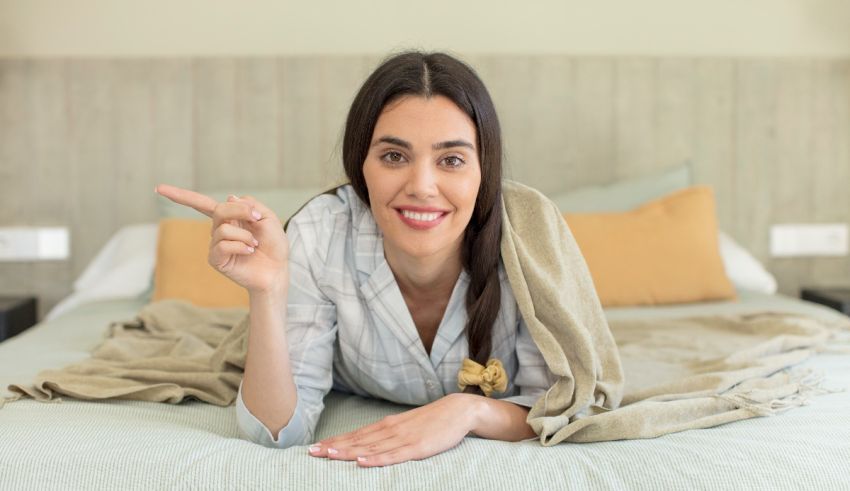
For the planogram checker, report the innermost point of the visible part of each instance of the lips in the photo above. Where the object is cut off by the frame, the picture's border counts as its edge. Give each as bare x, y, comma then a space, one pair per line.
419, 218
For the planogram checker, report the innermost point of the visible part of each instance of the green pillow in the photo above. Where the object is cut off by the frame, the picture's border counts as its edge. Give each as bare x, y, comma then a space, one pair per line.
624, 194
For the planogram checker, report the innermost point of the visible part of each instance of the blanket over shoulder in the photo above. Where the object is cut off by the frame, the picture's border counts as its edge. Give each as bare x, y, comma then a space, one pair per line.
711, 370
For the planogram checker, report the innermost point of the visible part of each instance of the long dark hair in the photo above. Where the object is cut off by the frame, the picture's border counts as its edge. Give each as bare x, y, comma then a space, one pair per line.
427, 75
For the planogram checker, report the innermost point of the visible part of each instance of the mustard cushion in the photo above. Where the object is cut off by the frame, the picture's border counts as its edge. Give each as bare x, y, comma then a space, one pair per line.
182, 271
663, 252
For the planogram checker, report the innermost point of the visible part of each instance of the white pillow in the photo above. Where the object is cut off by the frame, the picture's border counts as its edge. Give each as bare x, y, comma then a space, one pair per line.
743, 270
123, 268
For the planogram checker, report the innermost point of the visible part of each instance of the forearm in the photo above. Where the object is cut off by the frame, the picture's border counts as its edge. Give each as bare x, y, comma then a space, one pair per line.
500, 420
268, 389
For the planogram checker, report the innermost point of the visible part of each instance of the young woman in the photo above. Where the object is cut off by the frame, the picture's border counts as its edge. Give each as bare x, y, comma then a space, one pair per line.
391, 286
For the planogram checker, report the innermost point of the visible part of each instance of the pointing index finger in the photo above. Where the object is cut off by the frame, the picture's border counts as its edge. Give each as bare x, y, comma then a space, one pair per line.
198, 201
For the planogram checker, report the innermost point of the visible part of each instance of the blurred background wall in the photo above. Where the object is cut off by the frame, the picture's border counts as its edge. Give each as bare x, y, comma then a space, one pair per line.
120, 28
102, 99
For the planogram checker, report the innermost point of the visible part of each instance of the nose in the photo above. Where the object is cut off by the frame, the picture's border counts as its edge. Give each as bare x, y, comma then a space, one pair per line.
421, 180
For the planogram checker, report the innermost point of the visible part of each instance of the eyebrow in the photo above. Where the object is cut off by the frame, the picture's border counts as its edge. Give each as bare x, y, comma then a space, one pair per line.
437, 146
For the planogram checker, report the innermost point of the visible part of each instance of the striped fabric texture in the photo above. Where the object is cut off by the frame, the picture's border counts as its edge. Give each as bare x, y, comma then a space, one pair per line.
193, 445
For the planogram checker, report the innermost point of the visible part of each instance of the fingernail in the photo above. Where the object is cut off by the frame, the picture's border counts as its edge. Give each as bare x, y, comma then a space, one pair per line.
155, 189
256, 242
256, 215
361, 459
333, 451
231, 197
315, 449
250, 249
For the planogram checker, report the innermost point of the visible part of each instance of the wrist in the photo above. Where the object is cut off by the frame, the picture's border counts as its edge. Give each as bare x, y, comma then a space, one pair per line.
476, 408
273, 294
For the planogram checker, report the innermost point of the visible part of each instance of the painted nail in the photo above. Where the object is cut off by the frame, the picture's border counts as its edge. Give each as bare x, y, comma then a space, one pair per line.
315, 449
333, 451
361, 459
256, 214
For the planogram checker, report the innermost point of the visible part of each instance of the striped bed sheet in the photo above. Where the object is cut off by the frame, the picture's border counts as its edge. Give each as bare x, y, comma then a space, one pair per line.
142, 445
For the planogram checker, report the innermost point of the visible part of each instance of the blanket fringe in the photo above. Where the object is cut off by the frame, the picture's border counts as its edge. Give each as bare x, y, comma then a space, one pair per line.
16, 397
4, 400
809, 383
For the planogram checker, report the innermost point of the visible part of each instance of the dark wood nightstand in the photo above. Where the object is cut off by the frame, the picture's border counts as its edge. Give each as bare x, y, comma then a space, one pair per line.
17, 314
837, 298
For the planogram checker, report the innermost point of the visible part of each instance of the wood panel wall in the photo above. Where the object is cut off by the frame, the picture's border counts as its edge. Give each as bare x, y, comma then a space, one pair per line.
82, 142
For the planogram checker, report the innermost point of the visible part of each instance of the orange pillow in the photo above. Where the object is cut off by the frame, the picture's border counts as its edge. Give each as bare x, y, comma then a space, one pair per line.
665, 251
182, 271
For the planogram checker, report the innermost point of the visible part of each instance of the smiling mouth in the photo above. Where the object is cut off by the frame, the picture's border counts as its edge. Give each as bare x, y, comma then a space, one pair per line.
421, 220
422, 217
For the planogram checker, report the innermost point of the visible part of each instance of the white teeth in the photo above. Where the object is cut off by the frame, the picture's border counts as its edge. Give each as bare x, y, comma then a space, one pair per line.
422, 217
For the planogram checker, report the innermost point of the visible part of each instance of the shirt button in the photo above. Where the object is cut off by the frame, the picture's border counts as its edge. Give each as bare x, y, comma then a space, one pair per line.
430, 384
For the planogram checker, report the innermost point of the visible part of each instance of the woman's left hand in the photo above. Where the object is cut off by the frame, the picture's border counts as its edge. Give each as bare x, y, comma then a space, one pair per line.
412, 435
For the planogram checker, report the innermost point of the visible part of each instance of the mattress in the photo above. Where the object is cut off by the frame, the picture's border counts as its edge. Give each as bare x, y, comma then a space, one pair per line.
142, 445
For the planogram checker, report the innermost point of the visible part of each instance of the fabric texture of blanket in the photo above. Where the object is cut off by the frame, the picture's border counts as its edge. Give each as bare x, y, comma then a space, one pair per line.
680, 373
172, 351
683, 374
558, 302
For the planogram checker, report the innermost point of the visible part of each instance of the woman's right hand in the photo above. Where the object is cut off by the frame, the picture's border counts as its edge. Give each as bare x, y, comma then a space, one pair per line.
248, 244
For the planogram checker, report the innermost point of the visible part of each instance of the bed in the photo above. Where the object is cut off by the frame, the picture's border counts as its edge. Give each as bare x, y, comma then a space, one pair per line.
143, 445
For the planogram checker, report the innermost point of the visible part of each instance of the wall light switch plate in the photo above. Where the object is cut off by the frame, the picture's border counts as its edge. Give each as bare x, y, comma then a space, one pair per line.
808, 239
34, 243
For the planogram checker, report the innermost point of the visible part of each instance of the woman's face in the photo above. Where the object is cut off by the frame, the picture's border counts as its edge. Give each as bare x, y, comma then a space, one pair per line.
423, 175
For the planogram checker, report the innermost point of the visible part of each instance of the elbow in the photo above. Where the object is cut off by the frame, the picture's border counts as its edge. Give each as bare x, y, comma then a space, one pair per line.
266, 439
297, 431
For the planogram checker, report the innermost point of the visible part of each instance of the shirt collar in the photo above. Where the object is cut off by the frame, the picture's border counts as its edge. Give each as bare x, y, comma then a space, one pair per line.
368, 240
380, 290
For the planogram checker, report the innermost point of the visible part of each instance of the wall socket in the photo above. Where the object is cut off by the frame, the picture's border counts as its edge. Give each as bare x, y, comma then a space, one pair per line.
34, 243
808, 239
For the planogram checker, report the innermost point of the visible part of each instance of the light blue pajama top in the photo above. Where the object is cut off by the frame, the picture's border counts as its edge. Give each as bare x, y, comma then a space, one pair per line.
348, 327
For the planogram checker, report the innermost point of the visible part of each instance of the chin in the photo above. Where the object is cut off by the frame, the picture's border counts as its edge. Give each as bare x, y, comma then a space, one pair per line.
421, 249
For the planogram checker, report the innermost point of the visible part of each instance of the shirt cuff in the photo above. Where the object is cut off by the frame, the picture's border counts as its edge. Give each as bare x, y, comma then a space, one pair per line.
525, 401
294, 433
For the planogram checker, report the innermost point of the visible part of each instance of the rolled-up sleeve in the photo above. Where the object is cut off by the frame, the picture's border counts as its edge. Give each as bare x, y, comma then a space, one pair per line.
311, 328
296, 432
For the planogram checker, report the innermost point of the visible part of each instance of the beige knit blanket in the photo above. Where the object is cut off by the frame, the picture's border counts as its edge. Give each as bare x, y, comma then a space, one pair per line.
170, 352
680, 373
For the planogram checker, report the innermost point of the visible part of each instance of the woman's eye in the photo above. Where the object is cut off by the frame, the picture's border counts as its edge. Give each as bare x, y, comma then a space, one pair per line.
392, 157
453, 161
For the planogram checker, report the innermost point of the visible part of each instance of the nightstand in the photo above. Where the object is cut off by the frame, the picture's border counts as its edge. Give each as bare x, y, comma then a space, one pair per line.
837, 298
17, 314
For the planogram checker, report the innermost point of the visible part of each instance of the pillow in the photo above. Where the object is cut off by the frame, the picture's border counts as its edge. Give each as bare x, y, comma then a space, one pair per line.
744, 270
664, 252
624, 194
126, 262
283, 201
121, 269
182, 271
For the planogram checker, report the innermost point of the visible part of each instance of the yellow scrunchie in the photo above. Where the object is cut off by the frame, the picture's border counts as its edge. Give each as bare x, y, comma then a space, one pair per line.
489, 378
